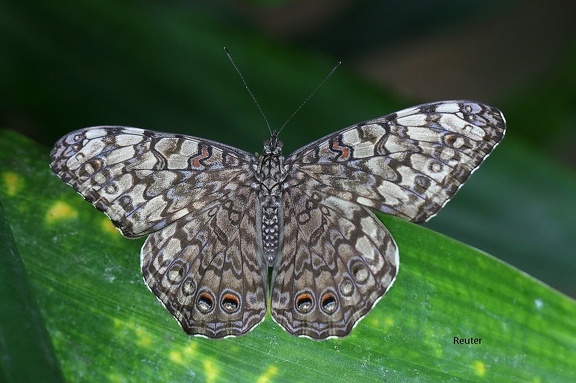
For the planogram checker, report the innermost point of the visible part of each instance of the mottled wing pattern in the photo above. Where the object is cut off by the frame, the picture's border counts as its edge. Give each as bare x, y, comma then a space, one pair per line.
408, 164
195, 196
338, 259
206, 270
202, 202
145, 180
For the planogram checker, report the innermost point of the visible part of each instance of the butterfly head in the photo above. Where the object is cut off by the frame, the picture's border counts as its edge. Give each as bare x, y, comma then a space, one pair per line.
273, 145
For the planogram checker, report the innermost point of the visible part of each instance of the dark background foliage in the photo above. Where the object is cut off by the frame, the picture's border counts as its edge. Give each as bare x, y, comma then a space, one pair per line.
160, 65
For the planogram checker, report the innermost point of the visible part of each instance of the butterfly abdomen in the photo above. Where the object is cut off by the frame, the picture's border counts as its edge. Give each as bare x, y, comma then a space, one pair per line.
270, 175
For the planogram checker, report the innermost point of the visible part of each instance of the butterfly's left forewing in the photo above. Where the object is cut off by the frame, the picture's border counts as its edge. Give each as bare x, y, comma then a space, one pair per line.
145, 180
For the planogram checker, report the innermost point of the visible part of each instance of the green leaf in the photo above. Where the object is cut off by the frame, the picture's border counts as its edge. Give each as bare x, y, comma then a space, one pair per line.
24, 341
106, 326
160, 65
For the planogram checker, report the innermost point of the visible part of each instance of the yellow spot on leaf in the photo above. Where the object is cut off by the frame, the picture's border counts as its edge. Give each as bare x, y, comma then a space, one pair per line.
378, 322
183, 355
267, 376
143, 338
60, 210
176, 357
13, 183
479, 368
190, 349
108, 227
210, 370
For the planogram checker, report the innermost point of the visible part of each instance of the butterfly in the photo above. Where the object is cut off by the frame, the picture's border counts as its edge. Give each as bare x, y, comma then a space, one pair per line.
218, 218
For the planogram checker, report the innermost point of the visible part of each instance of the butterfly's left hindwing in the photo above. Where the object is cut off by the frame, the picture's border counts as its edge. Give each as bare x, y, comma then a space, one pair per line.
206, 270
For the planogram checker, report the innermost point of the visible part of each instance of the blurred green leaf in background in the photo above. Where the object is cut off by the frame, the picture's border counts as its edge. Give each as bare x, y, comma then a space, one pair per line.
160, 65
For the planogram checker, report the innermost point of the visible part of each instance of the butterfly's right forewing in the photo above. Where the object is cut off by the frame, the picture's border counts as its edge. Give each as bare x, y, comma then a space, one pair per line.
408, 164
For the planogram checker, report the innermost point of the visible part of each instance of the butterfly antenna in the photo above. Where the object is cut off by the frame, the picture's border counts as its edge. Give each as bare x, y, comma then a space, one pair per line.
310, 95
247, 88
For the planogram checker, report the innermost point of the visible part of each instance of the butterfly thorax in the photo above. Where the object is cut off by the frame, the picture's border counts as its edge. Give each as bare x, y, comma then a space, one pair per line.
270, 174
